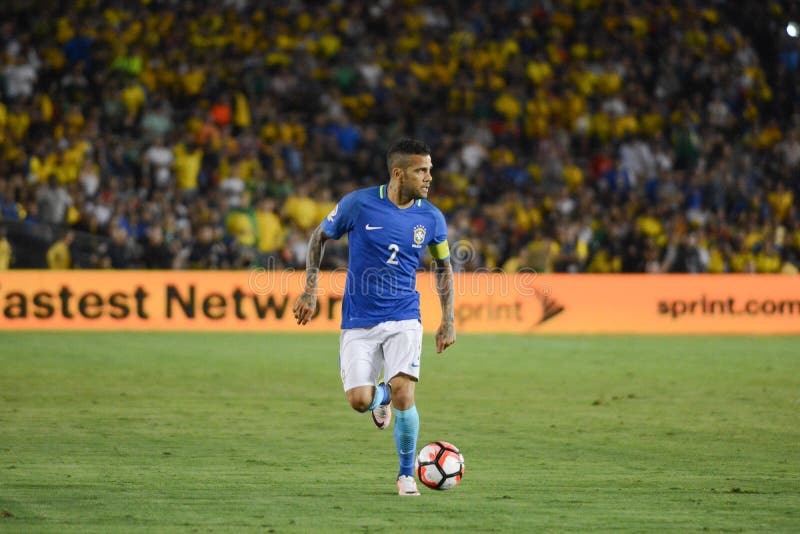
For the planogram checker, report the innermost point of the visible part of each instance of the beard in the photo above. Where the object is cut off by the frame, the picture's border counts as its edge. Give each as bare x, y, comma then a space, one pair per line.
413, 193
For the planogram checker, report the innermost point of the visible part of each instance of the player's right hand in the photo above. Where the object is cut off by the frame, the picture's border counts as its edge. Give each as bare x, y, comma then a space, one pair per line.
304, 308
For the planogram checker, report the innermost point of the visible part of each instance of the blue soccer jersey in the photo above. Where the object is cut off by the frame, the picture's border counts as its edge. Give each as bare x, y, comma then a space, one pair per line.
386, 244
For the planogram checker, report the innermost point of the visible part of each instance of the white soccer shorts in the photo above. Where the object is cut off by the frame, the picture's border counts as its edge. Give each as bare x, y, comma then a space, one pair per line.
394, 347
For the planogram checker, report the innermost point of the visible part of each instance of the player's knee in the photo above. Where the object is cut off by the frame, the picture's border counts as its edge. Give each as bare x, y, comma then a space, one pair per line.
402, 392
403, 401
359, 405
359, 399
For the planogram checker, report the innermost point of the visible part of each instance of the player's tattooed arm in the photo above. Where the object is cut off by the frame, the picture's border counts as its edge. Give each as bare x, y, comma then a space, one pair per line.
307, 302
316, 246
446, 334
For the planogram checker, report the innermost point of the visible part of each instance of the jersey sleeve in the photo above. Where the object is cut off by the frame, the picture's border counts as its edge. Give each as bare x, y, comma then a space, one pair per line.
343, 217
438, 246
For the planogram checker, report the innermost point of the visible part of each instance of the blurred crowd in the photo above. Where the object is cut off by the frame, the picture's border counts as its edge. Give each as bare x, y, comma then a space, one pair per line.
568, 136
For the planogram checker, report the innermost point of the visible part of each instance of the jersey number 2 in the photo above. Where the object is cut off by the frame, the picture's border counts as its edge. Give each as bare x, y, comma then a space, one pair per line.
393, 258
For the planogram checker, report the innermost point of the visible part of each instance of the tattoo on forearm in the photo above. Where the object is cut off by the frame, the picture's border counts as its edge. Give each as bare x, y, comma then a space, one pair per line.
315, 250
444, 285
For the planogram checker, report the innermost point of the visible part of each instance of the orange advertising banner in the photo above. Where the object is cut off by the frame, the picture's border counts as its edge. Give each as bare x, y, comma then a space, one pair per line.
260, 300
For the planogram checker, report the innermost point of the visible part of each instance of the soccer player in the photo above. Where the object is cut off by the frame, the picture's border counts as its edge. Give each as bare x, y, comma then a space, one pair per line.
388, 228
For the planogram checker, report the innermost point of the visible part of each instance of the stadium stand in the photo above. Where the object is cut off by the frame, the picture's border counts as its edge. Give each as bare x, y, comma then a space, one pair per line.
569, 136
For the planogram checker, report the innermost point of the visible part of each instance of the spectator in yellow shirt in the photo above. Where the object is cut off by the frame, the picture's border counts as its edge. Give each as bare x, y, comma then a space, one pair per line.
5, 250
59, 255
542, 252
768, 260
269, 229
301, 209
325, 204
188, 162
781, 201
573, 175
517, 262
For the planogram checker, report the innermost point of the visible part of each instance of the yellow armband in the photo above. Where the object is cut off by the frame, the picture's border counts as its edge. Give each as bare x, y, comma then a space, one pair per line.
440, 251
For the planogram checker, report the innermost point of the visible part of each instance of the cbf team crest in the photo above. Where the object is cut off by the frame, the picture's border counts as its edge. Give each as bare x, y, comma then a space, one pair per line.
419, 236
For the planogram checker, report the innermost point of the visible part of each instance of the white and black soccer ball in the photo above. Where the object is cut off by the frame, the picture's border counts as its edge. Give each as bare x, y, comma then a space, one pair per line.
440, 465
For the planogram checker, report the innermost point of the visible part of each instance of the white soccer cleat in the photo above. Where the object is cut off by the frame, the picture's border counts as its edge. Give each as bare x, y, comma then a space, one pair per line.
382, 416
406, 485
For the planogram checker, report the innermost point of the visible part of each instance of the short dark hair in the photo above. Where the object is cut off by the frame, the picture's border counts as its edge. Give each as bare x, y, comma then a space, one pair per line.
406, 147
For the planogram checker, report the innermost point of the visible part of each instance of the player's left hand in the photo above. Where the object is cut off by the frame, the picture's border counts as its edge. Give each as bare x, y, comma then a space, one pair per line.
445, 336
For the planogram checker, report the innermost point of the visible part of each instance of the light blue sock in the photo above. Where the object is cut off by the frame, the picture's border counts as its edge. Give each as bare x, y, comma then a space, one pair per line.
383, 395
406, 430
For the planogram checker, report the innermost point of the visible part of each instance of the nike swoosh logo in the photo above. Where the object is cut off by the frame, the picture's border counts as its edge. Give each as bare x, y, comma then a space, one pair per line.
414, 365
368, 227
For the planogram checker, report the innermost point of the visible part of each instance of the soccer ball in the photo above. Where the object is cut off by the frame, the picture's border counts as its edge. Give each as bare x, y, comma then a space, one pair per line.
440, 465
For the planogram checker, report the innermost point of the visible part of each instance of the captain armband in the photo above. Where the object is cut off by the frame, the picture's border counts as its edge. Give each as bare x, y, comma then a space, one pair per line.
440, 251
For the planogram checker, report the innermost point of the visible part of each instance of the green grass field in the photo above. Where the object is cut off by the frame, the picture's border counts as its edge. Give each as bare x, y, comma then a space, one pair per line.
228, 433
